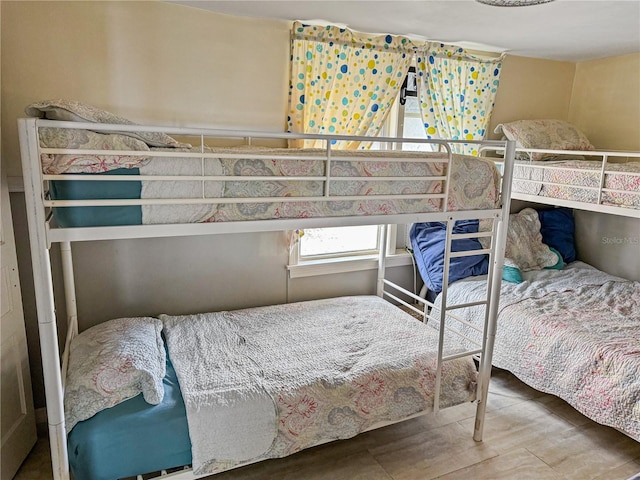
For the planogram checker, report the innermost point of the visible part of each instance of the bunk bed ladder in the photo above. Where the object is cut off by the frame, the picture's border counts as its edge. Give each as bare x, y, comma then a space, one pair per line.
496, 263
495, 251
496, 260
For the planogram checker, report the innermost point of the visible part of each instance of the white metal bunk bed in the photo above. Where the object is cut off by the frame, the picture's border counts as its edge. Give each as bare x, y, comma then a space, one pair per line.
44, 232
592, 183
570, 331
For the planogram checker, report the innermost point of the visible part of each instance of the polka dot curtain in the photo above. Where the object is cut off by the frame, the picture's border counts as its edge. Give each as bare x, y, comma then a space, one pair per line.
457, 90
343, 82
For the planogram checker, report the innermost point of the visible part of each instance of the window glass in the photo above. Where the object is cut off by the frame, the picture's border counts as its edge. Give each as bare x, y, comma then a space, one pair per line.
339, 240
412, 126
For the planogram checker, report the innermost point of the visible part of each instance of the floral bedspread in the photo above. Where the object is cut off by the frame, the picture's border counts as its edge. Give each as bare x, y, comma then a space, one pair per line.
271, 381
474, 185
474, 181
574, 333
622, 176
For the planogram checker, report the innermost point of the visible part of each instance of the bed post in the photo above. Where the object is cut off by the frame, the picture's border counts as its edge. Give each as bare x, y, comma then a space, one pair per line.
43, 286
70, 299
382, 258
498, 262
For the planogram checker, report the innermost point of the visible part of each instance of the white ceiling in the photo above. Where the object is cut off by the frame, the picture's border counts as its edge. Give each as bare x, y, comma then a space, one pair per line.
570, 30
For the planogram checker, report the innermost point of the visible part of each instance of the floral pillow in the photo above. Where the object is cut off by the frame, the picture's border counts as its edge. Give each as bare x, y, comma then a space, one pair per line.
524, 250
72, 111
545, 134
112, 362
86, 140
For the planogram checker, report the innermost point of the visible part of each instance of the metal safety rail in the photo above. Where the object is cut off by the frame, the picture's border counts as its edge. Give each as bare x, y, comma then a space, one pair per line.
588, 197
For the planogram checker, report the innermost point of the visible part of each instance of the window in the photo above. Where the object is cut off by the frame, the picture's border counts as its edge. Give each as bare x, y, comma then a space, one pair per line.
345, 249
339, 241
355, 248
410, 125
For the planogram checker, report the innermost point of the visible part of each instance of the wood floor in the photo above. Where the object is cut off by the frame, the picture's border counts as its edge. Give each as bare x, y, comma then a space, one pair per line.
528, 435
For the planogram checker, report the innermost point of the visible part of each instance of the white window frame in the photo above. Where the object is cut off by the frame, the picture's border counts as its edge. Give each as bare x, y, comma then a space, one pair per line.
341, 263
357, 252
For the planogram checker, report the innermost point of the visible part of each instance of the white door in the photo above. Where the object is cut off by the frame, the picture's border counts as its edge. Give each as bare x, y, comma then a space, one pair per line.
17, 418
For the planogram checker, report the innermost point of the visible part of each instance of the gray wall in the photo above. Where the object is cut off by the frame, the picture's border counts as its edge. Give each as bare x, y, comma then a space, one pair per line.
609, 242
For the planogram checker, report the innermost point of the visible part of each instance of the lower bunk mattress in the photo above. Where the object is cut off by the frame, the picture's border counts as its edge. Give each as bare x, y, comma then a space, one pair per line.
267, 382
474, 185
566, 180
573, 333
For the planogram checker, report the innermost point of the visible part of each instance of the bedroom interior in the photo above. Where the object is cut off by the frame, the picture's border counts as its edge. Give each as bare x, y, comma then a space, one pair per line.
110, 73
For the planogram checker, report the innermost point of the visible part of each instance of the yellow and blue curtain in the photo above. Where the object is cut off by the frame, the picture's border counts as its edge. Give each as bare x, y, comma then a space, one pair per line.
343, 82
457, 90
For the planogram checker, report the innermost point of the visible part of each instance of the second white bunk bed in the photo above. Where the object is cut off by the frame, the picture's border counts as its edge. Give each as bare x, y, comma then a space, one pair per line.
557, 165
295, 189
566, 328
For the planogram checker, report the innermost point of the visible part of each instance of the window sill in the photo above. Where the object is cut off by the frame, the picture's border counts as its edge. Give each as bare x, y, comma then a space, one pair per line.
346, 264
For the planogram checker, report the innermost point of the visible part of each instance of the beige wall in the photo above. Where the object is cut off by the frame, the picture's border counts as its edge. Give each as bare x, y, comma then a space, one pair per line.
532, 89
605, 103
147, 61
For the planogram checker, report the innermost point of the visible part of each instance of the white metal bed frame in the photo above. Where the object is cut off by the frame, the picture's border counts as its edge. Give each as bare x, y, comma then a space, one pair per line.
43, 234
598, 206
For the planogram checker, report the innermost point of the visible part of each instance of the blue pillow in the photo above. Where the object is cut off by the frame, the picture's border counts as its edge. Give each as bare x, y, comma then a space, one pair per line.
428, 240
557, 228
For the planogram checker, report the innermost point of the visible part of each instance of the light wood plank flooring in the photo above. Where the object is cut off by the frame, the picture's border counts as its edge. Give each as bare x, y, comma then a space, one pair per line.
528, 435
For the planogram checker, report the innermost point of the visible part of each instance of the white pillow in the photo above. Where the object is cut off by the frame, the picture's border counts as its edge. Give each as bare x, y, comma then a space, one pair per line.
112, 362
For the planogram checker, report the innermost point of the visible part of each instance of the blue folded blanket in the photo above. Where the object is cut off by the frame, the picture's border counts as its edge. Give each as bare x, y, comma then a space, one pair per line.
428, 242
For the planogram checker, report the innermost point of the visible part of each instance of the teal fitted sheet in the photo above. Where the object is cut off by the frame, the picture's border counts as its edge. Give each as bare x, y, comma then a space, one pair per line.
68, 217
133, 437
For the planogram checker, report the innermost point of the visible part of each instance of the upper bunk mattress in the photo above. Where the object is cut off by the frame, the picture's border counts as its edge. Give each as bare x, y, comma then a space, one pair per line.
270, 381
474, 185
564, 179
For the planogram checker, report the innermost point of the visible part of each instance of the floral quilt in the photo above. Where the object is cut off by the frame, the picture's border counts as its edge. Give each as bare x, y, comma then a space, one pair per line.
574, 333
474, 185
559, 179
267, 382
